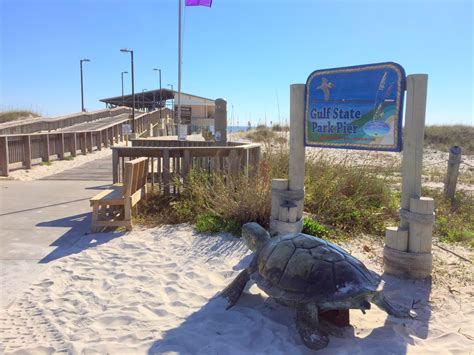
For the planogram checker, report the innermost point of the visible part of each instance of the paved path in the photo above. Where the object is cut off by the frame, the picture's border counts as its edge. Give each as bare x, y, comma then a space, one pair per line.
41, 220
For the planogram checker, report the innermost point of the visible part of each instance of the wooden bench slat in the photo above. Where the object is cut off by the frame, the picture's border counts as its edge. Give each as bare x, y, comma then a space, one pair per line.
127, 195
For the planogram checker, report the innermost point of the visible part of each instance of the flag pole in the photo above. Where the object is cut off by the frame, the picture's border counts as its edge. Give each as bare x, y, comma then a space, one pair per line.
179, 63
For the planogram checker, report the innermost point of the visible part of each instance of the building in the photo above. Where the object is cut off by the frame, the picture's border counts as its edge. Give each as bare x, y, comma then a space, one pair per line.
196, 111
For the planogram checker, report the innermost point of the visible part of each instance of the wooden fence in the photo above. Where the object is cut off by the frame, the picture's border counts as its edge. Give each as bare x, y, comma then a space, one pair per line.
170, 160
25, 150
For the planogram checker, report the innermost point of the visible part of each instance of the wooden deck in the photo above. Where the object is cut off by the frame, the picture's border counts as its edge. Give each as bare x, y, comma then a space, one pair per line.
96, 170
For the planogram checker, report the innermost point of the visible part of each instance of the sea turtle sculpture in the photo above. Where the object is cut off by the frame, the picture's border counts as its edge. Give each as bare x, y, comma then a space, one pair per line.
309, 274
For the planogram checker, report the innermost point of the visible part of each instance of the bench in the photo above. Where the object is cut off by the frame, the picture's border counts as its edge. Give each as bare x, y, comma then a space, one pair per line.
113, 207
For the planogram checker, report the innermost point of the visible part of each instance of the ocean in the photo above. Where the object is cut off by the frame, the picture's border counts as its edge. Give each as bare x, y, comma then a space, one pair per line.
231, 129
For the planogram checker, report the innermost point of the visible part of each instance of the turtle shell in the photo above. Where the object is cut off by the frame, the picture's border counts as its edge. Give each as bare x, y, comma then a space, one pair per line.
300, 267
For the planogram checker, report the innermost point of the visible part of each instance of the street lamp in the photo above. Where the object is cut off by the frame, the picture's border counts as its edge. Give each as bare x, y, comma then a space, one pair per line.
143, 97
172, 100
123, 100
124, 50
82, 84
159, 72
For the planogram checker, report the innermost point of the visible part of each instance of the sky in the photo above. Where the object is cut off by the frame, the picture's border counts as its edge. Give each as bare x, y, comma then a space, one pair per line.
246, 51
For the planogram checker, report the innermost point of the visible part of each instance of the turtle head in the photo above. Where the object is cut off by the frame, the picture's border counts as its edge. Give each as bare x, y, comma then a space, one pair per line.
254, 235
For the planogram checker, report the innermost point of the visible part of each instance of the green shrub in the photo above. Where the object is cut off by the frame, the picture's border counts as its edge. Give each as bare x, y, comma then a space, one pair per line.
313, 227
211, 223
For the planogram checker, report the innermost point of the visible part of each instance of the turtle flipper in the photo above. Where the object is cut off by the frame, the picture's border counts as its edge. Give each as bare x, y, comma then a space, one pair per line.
307, 324
233, 291
394, 310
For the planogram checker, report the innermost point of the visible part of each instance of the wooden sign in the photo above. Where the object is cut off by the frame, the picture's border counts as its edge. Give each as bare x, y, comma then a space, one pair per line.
185, 114
358, 107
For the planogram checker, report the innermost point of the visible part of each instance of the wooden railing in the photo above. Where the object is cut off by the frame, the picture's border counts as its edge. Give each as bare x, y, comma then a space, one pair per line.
171, 160
25, 150
42, 124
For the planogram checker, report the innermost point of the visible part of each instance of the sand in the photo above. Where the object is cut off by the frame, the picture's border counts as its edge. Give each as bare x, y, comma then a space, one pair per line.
153, 292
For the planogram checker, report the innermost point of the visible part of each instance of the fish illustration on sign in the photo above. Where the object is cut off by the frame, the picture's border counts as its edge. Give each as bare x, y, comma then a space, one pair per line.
325, 86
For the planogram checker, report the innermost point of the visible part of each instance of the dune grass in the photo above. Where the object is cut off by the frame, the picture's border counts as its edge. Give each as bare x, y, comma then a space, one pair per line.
444, 137
8, 116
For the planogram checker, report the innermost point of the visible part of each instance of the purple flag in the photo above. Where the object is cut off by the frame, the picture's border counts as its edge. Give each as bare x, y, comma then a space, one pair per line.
207, 3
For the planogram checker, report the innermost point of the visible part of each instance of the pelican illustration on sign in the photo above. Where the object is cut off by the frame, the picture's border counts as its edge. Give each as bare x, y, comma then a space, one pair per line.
325, 86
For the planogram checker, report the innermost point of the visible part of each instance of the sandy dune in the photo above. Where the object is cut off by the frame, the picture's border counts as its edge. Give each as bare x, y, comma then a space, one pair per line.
151, 292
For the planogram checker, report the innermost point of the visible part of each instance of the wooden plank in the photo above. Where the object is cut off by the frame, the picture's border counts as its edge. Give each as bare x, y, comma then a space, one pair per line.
4, 157
27, 145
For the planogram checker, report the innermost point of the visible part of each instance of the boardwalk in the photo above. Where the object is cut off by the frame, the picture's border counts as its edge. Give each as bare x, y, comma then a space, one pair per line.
95, 125
96, 170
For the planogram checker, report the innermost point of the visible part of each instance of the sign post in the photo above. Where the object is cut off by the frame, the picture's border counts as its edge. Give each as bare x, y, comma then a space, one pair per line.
361, 107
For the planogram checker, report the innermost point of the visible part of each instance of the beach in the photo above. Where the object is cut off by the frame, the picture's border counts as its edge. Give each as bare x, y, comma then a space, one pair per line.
154, 292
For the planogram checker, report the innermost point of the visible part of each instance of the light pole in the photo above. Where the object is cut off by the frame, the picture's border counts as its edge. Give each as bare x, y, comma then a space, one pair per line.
159, 72
82, 84
124, 50
172, 100
143, 97
123, 100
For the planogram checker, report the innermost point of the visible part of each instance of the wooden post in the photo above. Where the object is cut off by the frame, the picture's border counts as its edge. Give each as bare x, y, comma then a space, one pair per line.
61, 146
297, 148
233, 162
186, 162
27, 145
46, 149
413, 140
115, 166
452, 172
84, 143
166, 171
99, 140
280, 185
407, 249
4, 158
106, 138
91, 143
220, 121
421, 225
73, 145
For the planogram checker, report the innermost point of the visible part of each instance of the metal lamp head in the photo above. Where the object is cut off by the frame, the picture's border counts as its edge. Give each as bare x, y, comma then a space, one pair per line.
85, 60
